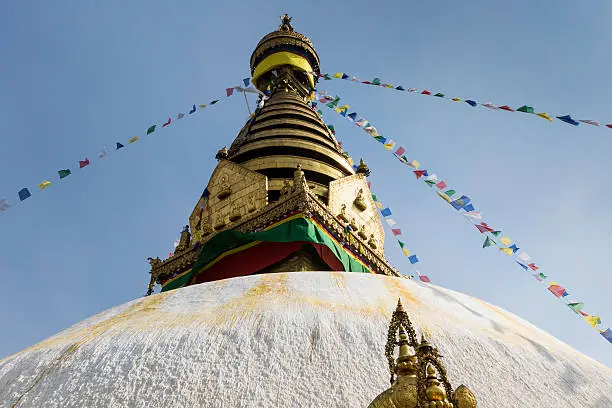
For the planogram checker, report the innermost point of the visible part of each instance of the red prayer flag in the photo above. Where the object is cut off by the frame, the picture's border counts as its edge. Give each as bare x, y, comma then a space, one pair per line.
506, 108
583, 313
366, 82
229, 91
441, 185
483, 228
425, 92
609, 125
557, 290
424, 278
400, 151
83, 163
533, 267
369, 185
396, 231
167, 123
419, 173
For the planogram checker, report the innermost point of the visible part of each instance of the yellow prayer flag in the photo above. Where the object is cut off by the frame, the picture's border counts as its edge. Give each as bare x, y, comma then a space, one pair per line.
389, 146
444, 197
350, 161
202, 106
506, 241
338, 75
44, 184
456, 99
544, 116
406, 251
378, 204
132, 140
388, 86
508, 251
592, 320
416, 164
343, 107
337, 109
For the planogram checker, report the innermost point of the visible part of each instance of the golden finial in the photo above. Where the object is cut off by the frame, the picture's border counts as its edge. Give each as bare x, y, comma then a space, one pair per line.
222, 154
285, 23
363, 168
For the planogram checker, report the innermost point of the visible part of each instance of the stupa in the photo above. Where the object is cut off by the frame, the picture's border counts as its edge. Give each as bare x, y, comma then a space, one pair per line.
279, 294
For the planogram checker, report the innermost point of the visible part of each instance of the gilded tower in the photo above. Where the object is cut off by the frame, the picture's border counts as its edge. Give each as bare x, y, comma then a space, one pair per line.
284, 196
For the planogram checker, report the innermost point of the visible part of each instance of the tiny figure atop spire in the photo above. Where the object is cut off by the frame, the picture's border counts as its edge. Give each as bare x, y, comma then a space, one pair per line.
285, 23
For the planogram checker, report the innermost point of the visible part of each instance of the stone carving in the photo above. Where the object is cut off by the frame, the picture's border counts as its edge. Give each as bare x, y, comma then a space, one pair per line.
353, 224
342, 216
362, 233
372, 241
225, 189
359, 202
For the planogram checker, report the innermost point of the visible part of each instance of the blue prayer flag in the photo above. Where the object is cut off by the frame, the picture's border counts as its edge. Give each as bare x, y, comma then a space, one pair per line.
400, 88
568, 119
514, 248
607, 334
355, 167
352, 116
385, 212
246, 81
471, 103
525, 267
24, 193
344, 76
425, 173
460, 202
193, 109
469, 208
119, 145
413, 259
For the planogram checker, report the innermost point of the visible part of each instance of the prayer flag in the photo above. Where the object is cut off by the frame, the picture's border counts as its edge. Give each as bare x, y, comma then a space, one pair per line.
575, 306
444, 197
544, 116
475, 215
506, 108
246, 81
526, 109
468, 208
524, 256
414, 164
557, 290
385, 212
44, 184
406, 251
4, 205
180, 116
489, 105
522, 265
400, 88
102, 154
388, 86
425, 92
193, 109
352, 116
488, 242
609, 125
338, 75
430, 182
389, 145
332, 129
439, 95
461, 202
412, 89
483, 228
202, 106
593, 320
376, 81
607, 334
401, 244
63, 173
450, 193
505, 240
374, 197
568, 119
419, 173
396, 231
514, 248
471, 103
400, 151
413, 259
229, 91
456, 99
589, 122
508, 251
167, 123
391, 221
441, 185
23, 194
424, 278
213, 102
378, 205
132, 140
83, 163
344, 76
533, 266
496, 233
151, 129
119, 145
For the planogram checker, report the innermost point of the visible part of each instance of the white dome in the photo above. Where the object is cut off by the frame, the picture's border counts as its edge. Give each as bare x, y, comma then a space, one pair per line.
301, 339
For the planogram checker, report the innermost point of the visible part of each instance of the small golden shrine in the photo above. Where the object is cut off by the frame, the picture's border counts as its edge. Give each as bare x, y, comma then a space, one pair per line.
418, 378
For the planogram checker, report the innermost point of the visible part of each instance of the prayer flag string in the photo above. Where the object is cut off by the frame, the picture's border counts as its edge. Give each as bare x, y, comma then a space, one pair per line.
463, 205
26, 193
566, 118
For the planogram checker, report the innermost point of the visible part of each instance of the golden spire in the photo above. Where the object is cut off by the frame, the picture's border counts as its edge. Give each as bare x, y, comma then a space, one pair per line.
418, 378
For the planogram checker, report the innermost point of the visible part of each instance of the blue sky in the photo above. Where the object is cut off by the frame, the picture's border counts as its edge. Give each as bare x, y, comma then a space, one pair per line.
79, 75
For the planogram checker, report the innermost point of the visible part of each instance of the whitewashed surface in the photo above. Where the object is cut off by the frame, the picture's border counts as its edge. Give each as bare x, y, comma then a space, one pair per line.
301, 339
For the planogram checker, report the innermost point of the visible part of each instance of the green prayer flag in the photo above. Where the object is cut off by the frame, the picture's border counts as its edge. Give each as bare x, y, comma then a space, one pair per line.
450, 193
430, 182
151, 129
496, 233
439, 95
63, 173
543, 276
374, 197
376, 81
576, 306
488, 242
526, 109
401, 243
